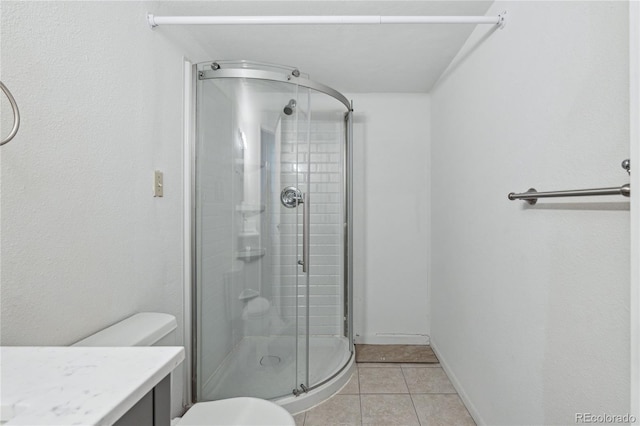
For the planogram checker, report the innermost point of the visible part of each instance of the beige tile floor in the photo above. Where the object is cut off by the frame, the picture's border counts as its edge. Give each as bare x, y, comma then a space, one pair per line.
392, 394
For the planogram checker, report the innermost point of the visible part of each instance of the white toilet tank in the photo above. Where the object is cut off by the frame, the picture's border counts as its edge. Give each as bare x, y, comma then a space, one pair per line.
143, 329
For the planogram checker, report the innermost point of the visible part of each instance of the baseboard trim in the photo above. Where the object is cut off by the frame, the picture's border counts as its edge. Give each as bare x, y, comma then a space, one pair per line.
456, 384
407, 339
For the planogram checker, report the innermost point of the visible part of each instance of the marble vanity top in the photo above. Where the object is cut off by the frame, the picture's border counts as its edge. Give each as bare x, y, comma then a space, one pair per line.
78, 385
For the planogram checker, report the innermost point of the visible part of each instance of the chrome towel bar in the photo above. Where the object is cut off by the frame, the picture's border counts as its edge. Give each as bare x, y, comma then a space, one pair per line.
531, 196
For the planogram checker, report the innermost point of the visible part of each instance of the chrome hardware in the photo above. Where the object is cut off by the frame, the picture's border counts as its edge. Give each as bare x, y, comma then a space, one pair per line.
513, 196
626, 164
295, 73
215, 66
531, 196
16, 114
291, 197
301, 390
276, 76
306, 211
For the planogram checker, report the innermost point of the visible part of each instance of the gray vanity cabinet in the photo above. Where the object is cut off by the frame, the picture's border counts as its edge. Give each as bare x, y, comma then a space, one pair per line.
154, 409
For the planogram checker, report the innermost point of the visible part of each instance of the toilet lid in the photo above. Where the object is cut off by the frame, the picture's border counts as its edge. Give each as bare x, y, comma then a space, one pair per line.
237, 411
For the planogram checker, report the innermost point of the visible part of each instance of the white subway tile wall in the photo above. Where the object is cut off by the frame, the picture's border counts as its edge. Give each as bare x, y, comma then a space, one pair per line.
316, 168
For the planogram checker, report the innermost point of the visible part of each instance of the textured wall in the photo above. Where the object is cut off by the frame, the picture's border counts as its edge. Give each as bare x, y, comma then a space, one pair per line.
84, 243
391, 217
530, 304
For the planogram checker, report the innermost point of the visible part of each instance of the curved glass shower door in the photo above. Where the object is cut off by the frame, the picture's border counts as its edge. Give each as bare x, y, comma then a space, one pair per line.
270, 299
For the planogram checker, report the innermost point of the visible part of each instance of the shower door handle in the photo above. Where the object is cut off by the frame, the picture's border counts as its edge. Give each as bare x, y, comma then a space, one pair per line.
306, 211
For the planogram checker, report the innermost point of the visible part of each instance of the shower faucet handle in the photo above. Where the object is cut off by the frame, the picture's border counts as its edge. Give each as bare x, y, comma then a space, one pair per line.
291, 197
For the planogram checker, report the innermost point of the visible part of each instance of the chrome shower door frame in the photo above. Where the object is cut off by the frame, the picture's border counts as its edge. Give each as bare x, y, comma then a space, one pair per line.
348, 211
274, 76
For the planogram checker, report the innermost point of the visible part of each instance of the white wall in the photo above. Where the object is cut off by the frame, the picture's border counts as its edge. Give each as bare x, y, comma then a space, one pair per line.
391, 217
84, 243
531, 304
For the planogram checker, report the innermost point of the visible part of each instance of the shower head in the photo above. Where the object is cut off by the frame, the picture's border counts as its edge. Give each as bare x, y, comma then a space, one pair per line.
288, 109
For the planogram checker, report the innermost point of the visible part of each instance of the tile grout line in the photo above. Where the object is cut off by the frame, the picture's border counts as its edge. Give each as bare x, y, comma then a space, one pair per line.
357, 374
359, 395
414, 409
410, 396
434, 393
405, 380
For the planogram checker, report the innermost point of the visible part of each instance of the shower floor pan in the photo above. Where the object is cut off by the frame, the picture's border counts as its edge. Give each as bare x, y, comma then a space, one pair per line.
265, 367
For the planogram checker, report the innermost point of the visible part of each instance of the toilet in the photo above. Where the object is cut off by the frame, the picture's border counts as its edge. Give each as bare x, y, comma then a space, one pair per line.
156, 329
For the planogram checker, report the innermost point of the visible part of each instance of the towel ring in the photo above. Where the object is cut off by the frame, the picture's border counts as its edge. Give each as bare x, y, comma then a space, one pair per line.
16, 114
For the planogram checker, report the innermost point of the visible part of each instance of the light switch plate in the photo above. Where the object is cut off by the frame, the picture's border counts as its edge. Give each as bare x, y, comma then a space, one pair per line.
158, 188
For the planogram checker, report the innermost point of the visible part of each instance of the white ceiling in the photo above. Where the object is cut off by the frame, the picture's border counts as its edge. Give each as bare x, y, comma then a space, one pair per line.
349, 58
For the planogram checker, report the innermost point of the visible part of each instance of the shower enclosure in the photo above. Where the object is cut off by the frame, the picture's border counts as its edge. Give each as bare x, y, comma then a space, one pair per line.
272, 299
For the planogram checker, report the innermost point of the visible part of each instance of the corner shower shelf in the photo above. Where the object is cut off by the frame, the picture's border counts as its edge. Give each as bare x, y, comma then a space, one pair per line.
250, 209
248, 294
249, 166
250, 254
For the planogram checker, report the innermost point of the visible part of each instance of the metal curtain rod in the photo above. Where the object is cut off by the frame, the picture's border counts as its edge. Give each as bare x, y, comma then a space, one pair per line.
154, 21
531, 196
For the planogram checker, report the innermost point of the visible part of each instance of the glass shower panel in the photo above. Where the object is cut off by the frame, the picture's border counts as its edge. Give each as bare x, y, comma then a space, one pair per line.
247, 244
329, 346
294, 279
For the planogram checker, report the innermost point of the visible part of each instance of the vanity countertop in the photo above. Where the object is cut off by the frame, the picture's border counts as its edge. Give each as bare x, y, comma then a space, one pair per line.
79, 385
